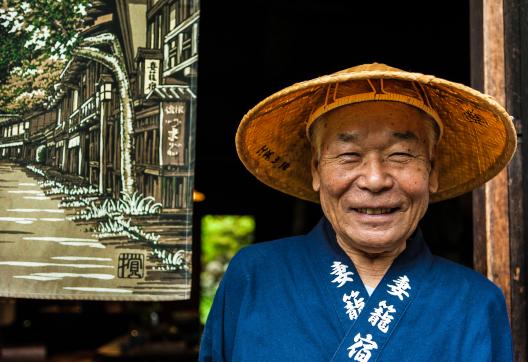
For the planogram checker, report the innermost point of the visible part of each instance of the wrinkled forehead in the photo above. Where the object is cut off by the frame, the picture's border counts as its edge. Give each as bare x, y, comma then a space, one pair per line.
383, 119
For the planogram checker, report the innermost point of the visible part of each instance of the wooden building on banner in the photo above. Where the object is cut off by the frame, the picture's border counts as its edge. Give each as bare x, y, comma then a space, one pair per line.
12, 134
80, 132
166, 90
86, 103
36, 149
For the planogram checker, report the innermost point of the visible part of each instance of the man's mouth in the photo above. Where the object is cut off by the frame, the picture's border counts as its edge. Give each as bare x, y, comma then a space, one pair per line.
375, 211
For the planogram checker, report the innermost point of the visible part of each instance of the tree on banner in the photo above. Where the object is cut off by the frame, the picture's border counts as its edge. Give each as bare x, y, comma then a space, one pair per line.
115, 62
36, 37
28, 87
50, 32
12, 52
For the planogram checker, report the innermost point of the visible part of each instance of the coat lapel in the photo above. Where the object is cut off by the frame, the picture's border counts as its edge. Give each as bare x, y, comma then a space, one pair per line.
367, 322
337, 276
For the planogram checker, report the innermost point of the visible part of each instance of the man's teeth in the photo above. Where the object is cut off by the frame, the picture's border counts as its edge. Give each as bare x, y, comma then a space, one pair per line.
374, 211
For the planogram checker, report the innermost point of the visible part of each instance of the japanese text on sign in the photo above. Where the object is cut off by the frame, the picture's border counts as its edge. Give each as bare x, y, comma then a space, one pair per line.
151, 77
173, 134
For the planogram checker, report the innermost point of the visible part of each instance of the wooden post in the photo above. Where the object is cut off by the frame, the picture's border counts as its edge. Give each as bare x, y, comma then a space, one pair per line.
102, 148
499, 60
491, 221
516, 66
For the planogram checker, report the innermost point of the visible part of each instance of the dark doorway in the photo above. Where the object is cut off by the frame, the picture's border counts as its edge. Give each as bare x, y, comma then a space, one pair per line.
249, 50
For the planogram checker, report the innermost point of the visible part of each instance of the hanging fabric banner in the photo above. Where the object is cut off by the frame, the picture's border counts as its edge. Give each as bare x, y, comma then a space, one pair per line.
96, 176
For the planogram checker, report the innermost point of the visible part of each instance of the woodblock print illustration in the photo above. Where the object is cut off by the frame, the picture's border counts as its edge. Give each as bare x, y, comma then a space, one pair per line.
96, 149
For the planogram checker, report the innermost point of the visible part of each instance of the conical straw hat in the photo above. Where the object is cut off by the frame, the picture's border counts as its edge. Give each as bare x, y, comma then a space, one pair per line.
478, 137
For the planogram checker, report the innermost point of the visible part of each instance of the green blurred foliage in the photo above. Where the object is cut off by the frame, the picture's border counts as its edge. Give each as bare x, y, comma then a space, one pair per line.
222, 237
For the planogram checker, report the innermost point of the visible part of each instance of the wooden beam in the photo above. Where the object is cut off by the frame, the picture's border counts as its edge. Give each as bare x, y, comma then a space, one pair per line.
499, 34
477, 82
516, 66
518, 255
490, 206
126, 33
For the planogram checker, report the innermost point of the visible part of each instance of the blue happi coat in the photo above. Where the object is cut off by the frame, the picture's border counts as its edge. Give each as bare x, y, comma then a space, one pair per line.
301, 299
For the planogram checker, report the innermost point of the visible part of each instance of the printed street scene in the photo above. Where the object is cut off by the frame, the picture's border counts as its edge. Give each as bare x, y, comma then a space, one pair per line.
97, 127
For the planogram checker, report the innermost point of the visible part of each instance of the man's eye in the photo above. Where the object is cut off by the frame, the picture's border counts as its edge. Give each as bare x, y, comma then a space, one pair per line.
350, 156
400, 156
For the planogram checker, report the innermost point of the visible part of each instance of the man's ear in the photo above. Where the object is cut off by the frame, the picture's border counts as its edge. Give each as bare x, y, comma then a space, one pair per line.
433, 177
316, 179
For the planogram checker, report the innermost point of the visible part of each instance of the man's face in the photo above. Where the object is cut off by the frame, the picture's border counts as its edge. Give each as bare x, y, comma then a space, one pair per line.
372, 168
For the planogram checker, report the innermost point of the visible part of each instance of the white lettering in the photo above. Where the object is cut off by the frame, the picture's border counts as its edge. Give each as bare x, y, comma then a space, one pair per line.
400, 286
353, 304
382, 316
361, 349
342, 276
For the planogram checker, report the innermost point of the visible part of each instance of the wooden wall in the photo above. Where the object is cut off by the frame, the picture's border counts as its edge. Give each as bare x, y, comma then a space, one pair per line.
499, 60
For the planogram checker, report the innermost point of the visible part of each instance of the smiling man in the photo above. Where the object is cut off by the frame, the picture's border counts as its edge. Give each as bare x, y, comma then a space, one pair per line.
373, 169
374, 145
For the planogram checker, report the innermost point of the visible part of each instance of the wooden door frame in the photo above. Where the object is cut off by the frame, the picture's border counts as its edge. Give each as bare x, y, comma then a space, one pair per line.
499, 67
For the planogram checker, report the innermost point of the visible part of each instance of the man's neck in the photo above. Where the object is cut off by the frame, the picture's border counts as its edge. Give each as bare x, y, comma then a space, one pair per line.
371, 266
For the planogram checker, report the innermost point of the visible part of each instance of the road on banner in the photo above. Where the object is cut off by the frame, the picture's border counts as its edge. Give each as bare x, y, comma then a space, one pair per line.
45, 254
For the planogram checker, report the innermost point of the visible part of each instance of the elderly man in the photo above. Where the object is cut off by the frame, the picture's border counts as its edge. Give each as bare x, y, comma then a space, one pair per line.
374, 145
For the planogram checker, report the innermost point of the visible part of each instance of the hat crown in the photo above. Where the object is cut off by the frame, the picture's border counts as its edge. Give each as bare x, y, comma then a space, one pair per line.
379, 67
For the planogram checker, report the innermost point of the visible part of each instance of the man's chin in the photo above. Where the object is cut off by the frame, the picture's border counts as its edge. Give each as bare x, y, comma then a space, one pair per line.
376, 241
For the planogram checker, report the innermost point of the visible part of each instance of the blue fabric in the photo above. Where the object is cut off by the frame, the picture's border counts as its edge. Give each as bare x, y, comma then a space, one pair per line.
278, 302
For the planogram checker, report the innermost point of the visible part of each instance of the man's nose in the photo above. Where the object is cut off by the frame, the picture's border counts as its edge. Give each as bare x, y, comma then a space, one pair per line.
374, 176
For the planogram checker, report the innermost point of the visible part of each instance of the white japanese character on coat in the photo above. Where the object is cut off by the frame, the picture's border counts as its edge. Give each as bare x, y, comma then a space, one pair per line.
361, 349
353, 304
342, 276
400, 287
381, 316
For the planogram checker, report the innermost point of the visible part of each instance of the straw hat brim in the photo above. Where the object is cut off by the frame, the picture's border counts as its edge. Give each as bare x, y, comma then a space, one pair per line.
478, 137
